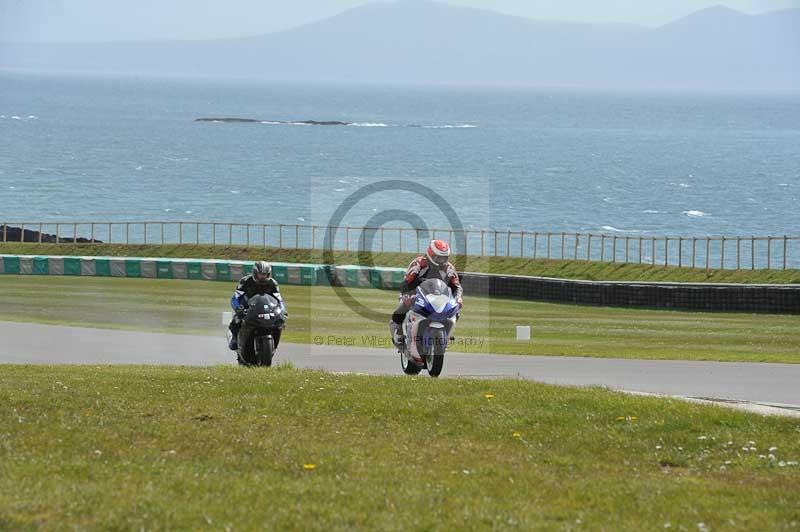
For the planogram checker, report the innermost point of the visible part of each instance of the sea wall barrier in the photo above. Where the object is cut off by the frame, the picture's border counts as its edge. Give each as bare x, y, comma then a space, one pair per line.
703, 297
677, 296
722, 252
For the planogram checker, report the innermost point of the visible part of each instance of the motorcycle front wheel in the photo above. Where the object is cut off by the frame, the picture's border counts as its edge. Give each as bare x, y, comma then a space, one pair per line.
409, 368
265, 350
439, 339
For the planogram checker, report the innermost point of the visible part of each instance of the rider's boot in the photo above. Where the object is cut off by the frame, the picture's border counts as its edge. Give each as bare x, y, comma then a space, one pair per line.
397, 335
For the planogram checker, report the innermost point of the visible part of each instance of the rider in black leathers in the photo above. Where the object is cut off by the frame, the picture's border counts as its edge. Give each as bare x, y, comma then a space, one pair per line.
260, 281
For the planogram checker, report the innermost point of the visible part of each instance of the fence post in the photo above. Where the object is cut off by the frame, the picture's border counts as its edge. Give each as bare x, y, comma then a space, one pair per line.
694, 249
127, 233
162, 233
296, 236
627, 252
641, 242
769, 252
708, 252
280, 236
680, 252
495, 243
738, 252
614, 249
589, 247
74, 233
213, 234
264, 235
535, 244
5, 232
522, 243
549, 236
248, 235
562, 245
145, 233
784, 251
722, 255
22, 233
110, 240
41, 228
314, 237
347, 238
508, 243
752, 252
180, 232
576, 246
400, 232
666, 251
197, 233
653, 251
602, 248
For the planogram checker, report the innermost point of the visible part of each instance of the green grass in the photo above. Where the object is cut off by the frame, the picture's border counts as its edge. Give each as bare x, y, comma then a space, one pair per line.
517, 266
225, 448
195, 307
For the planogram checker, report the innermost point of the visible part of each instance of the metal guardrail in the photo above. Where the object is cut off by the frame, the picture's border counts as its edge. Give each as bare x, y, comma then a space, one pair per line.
723, 252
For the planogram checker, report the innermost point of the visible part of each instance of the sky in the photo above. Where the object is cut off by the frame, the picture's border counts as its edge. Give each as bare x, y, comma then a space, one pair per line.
126, 20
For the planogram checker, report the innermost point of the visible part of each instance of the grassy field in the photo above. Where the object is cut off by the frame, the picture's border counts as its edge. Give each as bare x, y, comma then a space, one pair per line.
517, 266
487, 326
224, 448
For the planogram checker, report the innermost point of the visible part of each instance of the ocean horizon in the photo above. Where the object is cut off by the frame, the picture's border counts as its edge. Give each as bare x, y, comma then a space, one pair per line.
121, 148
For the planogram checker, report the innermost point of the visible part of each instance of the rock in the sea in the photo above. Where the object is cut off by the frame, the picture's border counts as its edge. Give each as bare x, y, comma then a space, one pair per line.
15, 234
297, 122
226, 119
322, 122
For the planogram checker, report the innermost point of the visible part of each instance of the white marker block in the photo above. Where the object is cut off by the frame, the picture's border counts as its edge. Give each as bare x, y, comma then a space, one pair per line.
523, 333
227, 317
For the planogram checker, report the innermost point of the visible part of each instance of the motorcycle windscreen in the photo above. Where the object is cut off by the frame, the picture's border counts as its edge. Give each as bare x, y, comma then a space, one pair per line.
264, 311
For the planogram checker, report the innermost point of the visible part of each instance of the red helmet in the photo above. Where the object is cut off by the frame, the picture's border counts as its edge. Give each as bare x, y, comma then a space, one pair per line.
438, 252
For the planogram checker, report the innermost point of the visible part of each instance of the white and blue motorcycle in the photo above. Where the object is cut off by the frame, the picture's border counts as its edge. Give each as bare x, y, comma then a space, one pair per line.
428, 328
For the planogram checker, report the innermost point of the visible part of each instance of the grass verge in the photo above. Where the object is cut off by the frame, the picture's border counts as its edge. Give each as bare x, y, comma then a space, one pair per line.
487, 325
116, 448
566, 269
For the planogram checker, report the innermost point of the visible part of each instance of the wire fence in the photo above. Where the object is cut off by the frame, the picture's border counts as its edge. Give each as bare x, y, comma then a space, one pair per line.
718, 252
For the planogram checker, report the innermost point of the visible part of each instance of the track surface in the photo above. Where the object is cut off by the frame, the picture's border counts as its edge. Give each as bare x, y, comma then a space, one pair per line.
22, 343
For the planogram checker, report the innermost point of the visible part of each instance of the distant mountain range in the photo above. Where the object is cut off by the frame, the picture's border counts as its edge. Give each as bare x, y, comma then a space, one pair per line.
424, 42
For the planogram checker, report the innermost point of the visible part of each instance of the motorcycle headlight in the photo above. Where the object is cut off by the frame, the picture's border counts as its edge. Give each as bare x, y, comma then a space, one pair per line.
438, 302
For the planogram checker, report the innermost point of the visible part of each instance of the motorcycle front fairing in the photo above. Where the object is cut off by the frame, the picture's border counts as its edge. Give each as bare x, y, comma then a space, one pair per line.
265, 312
433, 307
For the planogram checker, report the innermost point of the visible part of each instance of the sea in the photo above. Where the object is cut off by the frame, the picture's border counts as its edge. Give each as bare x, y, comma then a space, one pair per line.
89, 148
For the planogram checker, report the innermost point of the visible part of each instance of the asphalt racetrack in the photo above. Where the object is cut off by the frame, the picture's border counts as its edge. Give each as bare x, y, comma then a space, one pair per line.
752, 385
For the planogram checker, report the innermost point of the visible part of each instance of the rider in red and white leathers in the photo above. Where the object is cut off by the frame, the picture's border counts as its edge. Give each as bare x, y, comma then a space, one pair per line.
435, 264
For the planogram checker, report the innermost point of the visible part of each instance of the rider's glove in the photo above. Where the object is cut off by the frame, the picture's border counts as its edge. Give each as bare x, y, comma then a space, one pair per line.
460, 302
408, 299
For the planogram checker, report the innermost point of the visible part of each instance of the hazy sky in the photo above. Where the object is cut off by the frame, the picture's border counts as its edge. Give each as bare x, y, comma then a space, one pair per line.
108, 20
